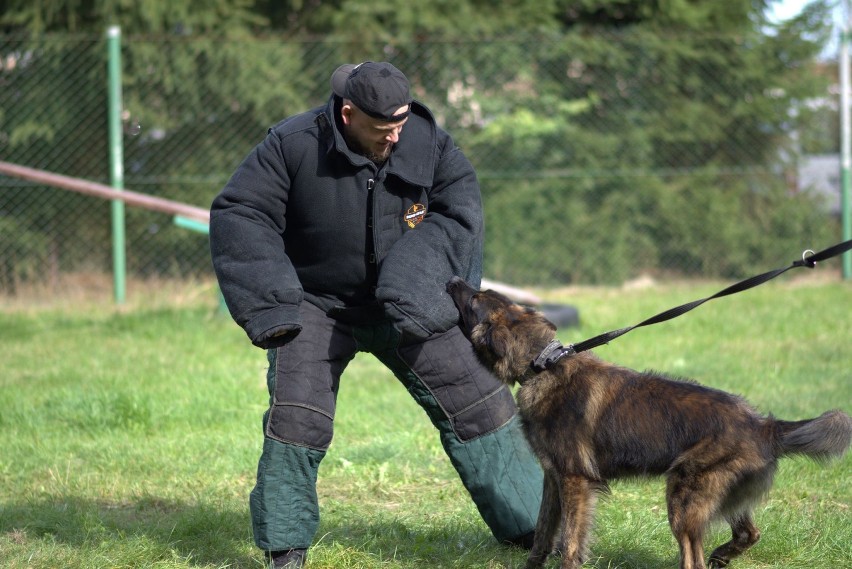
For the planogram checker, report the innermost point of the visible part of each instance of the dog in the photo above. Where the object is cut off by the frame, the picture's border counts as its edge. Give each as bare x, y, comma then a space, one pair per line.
589, 421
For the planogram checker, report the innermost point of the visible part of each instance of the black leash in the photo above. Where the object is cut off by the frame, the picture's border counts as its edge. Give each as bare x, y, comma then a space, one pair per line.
555, 350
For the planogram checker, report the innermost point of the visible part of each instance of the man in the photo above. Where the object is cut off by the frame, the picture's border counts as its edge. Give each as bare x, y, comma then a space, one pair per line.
337, 234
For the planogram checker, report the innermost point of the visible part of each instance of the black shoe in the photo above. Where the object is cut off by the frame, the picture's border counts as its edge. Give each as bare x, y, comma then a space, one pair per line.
289, 559
523, 541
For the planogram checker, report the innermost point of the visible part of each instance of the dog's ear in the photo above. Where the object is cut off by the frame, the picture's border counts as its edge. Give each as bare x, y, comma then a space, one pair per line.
498, 340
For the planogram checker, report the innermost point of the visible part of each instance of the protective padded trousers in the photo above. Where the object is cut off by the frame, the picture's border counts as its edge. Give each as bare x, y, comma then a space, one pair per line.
475, 416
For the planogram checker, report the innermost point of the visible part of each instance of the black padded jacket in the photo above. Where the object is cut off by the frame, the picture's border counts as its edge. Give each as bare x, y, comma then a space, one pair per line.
305, 218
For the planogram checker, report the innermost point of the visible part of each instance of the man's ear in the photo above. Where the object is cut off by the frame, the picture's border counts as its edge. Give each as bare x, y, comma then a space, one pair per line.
346, 113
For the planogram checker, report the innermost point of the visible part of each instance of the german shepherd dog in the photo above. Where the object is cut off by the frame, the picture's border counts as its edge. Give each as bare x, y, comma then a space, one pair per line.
589, 421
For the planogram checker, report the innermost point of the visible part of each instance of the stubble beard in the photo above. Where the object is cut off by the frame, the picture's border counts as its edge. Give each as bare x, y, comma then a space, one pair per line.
377, 158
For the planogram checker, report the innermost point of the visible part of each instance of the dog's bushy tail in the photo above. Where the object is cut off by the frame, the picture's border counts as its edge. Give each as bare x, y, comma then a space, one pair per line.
822, 438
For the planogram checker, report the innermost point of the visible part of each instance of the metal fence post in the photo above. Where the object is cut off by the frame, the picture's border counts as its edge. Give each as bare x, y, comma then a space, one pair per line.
116, 159
846, 151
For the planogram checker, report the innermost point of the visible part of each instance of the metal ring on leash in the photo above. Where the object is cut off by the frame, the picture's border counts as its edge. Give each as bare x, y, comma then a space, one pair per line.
805, 254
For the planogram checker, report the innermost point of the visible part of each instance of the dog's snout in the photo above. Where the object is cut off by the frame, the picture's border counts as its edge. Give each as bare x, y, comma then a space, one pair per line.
453, 282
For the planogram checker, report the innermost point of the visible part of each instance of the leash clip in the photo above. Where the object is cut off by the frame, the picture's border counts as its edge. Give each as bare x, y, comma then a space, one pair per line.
810, 264
551, 354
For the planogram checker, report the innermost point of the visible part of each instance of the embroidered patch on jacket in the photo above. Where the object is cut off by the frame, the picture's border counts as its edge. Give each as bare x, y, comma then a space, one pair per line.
415, 214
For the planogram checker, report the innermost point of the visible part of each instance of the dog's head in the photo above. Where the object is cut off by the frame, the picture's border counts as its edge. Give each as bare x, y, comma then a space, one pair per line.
505, 335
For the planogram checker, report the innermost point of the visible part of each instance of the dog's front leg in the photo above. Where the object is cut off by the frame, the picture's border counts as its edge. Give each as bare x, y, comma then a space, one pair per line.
549, 517
578, 499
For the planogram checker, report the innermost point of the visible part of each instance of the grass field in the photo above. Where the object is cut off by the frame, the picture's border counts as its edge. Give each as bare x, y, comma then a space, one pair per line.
129, 437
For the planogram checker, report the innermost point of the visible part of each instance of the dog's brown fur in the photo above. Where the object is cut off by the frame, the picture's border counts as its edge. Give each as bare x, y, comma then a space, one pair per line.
589, 421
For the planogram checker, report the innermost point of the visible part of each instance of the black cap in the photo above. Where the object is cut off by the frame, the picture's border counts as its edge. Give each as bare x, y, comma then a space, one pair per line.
378, 89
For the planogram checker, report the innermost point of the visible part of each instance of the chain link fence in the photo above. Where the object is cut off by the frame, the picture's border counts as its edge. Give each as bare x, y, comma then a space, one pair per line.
600, 159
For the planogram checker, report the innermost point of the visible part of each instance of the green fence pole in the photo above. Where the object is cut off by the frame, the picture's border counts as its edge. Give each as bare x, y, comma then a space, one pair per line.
116, 160
845, 140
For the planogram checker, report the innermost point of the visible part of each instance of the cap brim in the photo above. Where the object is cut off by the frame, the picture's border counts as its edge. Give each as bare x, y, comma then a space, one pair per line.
339, 77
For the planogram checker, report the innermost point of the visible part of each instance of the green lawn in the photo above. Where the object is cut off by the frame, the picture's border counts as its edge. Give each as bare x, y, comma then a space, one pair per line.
129, 438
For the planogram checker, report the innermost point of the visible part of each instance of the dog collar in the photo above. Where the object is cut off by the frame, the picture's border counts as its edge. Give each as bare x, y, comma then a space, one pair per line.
551, 354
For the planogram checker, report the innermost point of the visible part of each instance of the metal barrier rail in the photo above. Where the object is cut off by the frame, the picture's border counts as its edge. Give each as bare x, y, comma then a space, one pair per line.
87, 187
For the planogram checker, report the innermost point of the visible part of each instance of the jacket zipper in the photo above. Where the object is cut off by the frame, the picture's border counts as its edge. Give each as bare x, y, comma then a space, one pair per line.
372, 266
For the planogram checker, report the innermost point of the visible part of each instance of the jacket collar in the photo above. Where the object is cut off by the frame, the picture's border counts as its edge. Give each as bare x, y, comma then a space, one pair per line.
414, 156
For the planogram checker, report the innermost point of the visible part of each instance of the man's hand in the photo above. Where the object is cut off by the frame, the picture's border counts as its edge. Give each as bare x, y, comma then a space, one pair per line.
277, 337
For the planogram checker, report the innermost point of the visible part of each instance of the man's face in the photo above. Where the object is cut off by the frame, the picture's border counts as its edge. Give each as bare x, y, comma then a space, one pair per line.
370, 137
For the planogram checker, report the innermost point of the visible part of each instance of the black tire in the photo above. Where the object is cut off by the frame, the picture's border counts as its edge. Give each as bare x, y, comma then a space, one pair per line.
562, 315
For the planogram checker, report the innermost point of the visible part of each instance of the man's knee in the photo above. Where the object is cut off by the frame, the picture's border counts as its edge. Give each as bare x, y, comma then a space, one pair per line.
300, 424
473, 400
485, 416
